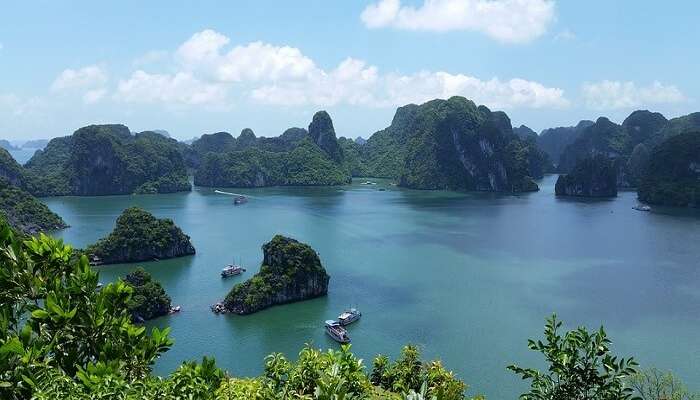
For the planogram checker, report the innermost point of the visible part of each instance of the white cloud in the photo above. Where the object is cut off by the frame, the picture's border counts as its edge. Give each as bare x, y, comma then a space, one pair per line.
181, 88
83, 78
252, 62
608, 95
508, 21
94, 96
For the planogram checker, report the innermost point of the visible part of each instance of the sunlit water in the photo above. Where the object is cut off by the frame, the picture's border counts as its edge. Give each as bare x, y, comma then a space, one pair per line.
467, 277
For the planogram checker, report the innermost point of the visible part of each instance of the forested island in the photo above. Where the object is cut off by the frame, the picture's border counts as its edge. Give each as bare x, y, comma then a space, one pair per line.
139, 236
291, 271
148, 299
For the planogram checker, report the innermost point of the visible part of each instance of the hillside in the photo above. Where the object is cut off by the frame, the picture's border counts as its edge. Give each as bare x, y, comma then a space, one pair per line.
672, 177
106, 160
24, 212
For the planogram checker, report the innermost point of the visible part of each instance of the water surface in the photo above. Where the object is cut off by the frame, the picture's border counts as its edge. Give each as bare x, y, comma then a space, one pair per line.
467, 277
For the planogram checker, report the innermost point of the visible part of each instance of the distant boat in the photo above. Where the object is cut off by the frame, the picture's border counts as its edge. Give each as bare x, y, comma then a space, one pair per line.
642, 207
368, 183
337, 332
232, 270
175, 309
349, 316
240, 200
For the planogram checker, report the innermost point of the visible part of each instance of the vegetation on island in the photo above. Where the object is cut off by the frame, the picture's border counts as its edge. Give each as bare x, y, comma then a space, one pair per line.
591, 177
148, 299
139, 236
49, 297
24, 212
108, 159
672, 177
290, 271
553, 141
297, 158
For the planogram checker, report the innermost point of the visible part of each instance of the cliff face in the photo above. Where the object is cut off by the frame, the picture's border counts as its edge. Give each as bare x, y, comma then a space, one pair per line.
291, 271
591, 177
553, 141
139, 236
672, 177
107, 159
456, 145
323, 134
11, 170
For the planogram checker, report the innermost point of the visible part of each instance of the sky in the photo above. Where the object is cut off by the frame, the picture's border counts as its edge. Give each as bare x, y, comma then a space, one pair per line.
207, 66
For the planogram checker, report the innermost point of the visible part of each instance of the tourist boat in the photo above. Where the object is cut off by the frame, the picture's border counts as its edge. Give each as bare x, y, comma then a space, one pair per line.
218, 308
231, 270
337, 332
642, 207
238, 200
369, 183
349, 316
175, 309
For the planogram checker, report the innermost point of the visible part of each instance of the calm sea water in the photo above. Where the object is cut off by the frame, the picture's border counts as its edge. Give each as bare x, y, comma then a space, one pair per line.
467, 277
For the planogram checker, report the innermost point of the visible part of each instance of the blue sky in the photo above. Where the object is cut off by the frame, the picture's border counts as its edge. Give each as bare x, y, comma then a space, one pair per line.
268, 65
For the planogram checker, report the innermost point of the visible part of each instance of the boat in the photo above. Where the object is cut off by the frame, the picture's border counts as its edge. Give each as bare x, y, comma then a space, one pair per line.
337, 332
349, 316
218, 308
175, 309
232, 270
642, 207
369, 183
238, 200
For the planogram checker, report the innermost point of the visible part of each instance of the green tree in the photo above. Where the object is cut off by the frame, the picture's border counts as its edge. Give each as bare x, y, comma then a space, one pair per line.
653, 384
581, 367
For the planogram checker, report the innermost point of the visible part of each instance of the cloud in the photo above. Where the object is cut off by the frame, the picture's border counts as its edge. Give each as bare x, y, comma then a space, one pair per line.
181, 88
609, 95
283, 75
252, 62
565, 35
507, 21
94, 96
83, 78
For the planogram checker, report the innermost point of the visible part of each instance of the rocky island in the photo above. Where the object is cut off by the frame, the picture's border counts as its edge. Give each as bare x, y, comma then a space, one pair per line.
148, 299
291, 271
139, 236
297, 158
102, 160
591, 177
24, 212
673, 175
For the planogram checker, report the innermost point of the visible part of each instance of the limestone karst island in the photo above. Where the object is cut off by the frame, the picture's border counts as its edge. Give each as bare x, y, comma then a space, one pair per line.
349, 200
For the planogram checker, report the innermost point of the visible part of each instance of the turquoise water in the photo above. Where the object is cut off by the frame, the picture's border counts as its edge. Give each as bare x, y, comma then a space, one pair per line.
468, 277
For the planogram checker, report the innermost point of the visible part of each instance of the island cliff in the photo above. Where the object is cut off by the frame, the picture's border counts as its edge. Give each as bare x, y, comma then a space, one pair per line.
139, 236
148, 299
291, 271
591, 177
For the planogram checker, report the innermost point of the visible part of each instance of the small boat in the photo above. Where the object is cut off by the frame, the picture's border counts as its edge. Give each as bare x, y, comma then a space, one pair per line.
238, 200
349, 316
337, 332
99, 286
175, 309
231, 270
218, 308
642, 207
369, 183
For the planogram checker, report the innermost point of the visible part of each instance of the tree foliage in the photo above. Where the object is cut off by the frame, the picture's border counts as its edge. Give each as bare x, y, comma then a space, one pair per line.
580, 367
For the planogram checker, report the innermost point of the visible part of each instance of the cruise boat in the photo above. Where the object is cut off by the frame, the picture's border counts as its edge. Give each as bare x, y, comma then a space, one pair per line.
349, 316
337, 332
232, 270
642, 207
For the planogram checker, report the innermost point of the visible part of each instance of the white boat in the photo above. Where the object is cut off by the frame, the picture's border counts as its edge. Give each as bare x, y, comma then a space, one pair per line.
337, 332
175, 309
642, 207
231, 270
349, 316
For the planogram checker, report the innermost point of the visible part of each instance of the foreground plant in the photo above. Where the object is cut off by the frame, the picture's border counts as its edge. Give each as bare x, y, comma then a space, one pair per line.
581, 367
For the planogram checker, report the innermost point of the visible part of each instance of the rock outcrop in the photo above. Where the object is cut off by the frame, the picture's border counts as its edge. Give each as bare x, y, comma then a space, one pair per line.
149, 299
323, 134
672, 177
591, 177
139, 236
108, 160
25, 213
553, 141
291, 271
